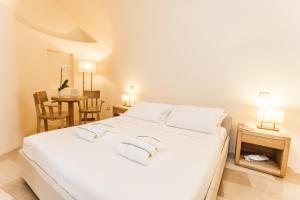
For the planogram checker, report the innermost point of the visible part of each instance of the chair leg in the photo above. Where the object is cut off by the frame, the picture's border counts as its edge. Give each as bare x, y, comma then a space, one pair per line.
46, 124
38, 127
98, 116
85, 117
67, 121
80, 120
62, 123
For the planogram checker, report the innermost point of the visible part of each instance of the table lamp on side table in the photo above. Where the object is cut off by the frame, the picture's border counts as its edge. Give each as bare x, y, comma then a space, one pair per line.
272, 116
266, 114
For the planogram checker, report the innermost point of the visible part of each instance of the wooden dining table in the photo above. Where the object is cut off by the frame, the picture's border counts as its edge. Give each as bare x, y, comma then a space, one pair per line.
70, 100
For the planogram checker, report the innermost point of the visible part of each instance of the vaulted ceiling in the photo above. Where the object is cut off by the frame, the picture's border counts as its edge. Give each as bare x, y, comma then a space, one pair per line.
71, 20
93, 16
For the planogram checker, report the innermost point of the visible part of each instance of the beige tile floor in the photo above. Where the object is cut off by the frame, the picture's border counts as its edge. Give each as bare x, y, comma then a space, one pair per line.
12, 186
237, 183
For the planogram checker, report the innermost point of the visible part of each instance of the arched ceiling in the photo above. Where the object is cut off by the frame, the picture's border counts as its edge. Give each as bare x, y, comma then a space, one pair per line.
93, 16
48, 17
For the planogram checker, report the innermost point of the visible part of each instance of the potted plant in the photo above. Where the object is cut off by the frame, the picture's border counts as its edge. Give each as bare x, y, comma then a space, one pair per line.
63, 84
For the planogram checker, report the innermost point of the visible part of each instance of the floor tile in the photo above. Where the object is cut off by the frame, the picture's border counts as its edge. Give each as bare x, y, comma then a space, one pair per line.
237, 177
291, 177
221, 190
19, 190
5, 196
233, 191
276, 187
13, 156
9, 171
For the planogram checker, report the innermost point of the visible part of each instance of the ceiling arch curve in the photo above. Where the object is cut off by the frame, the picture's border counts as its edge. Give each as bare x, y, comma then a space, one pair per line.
48, 17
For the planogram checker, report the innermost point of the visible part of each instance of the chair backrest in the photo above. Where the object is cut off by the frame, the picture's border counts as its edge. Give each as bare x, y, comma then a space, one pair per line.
93, 98
39, 99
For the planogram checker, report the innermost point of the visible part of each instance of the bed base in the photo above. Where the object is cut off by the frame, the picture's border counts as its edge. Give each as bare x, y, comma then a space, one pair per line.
213, 189
47, 189
40, 182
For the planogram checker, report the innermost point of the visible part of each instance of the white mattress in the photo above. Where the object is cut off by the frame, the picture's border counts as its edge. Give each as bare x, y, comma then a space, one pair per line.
94, 171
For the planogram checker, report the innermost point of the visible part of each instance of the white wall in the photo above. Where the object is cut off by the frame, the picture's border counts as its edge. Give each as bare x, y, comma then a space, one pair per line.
10, 132
211, 53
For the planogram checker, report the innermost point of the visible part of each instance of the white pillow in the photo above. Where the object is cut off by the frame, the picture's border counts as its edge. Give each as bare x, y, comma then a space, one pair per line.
201, 119
154, 112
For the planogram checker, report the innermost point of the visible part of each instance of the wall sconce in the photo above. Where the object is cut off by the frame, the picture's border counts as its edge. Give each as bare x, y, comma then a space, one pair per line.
266, 114
87, 67
128, 100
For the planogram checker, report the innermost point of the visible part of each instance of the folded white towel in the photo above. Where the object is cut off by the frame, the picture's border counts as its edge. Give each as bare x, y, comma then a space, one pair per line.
90, 132
255, 157
159, 145
140, 149
134, 154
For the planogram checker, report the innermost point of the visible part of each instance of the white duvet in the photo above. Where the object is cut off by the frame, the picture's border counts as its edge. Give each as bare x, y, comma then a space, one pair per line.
94, 171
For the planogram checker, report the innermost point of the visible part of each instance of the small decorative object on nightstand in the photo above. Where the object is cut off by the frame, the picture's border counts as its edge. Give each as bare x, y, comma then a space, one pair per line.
273, 144
119, 109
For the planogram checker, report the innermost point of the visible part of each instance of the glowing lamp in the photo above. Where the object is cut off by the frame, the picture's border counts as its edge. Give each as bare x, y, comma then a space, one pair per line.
125, 99
269, 115
128, 100
87, 67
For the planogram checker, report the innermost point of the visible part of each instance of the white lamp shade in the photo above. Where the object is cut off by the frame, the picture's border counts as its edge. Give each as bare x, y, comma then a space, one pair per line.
270, 115
125, 98
87, 66
128, 100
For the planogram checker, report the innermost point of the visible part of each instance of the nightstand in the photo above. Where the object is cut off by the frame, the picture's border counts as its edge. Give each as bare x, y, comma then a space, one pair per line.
119, 109
275, 145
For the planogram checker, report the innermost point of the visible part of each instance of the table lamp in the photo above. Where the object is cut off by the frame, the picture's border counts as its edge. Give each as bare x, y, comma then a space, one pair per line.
87, 67
270, 115
125, 99
128, 100
267, 114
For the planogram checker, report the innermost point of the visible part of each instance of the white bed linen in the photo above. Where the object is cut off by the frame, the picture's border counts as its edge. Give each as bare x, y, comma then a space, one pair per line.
94, 171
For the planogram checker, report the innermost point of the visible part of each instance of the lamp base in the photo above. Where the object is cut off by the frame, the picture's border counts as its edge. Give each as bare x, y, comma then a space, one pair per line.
261, 126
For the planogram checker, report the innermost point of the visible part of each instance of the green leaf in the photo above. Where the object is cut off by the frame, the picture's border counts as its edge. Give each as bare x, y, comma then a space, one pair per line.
64, 85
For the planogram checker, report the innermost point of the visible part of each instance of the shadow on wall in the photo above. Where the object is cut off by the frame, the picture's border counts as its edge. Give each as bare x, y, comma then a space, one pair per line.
76, 34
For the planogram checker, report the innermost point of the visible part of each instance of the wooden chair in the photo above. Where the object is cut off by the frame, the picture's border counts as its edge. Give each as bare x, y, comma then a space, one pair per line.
93, 104
41, 103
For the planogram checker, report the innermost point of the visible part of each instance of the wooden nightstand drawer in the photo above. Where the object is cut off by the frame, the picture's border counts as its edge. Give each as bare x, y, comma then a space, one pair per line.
267, 142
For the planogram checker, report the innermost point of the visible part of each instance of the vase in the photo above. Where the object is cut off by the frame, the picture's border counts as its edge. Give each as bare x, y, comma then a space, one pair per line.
74, 92
61, 93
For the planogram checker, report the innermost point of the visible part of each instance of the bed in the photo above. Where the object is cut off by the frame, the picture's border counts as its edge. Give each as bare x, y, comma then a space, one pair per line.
57, 165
